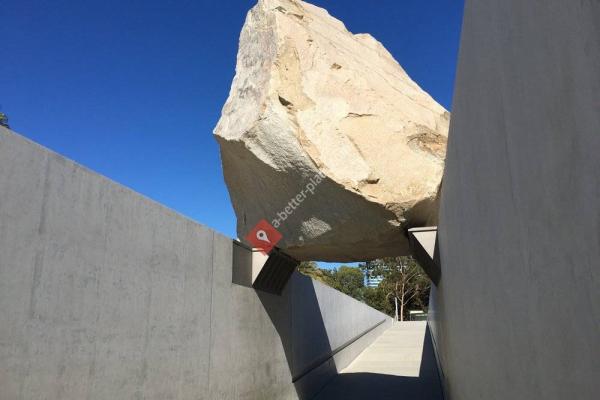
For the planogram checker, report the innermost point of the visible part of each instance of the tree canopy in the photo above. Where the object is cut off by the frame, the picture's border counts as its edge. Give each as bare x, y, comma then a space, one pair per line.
403, 282
4, 120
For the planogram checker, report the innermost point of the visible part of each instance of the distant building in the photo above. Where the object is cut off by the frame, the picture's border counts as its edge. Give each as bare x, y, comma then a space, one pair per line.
372, 281
417, 315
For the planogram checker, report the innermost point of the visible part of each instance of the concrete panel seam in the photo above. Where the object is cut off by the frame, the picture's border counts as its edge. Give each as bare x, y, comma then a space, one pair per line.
210, 312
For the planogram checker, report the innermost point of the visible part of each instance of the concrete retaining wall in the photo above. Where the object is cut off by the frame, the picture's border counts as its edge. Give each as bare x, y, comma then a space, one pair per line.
517, 311
105, 294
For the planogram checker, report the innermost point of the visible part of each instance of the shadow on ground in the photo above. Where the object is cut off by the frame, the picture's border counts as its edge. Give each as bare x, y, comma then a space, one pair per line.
375, 386
296, 315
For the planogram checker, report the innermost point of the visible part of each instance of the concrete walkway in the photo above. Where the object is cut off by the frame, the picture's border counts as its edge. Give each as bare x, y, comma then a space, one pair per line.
400, 364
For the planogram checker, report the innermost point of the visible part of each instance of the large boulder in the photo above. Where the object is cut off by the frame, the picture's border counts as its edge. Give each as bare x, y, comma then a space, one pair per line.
327, 138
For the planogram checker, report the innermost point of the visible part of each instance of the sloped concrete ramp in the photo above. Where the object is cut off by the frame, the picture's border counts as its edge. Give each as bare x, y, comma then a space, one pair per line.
400, 364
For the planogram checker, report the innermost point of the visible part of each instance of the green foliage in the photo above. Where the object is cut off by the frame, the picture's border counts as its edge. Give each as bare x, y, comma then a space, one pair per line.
348, 280
375, 297
4, 120
310, 268
403, 280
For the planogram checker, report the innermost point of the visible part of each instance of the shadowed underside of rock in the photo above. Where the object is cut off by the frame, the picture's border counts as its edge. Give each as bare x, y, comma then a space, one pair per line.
325, 136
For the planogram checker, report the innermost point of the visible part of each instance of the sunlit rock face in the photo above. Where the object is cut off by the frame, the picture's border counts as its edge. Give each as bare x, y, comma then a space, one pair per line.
326, 137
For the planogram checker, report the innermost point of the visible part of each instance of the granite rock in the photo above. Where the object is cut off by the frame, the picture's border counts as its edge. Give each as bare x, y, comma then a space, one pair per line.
325, 136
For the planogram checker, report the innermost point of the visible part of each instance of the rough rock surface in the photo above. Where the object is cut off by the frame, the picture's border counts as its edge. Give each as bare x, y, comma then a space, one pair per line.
328, 124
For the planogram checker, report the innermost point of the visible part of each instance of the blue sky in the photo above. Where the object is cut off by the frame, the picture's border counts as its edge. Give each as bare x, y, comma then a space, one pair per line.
133, 89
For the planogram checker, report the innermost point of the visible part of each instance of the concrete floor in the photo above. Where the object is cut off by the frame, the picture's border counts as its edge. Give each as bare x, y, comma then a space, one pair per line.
400, 364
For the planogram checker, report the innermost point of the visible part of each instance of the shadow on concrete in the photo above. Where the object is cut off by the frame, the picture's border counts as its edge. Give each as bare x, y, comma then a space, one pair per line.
365, 385
296, 315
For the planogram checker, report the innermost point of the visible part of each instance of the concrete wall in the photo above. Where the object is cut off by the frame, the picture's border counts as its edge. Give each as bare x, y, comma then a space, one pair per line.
517, 311
105, 294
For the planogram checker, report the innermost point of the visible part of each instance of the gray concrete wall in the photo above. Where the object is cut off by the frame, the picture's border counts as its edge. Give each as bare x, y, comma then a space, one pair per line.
105, 294
517, 311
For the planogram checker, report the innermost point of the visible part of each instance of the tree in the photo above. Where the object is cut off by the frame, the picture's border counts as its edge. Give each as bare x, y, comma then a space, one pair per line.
310, 268
404, 283
348, 280
405, 286
4, 120
375, 297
